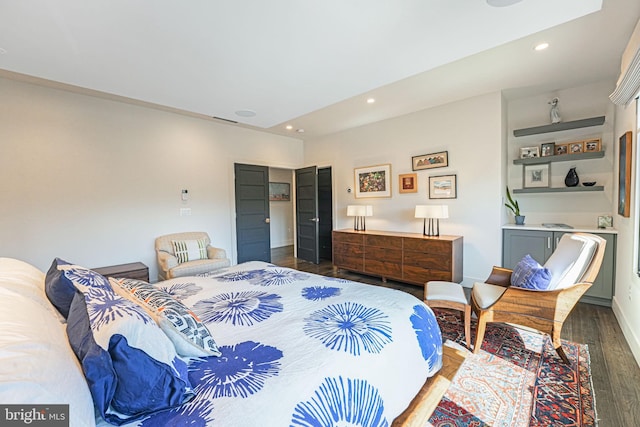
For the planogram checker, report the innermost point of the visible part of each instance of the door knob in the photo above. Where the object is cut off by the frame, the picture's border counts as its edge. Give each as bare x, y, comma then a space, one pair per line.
267, 220
314, 219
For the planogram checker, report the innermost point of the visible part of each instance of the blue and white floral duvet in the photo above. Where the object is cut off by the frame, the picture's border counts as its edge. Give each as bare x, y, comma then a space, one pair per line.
300, 349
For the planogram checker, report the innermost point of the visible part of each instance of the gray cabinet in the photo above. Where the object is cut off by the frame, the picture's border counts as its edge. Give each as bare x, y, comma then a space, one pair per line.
541, 244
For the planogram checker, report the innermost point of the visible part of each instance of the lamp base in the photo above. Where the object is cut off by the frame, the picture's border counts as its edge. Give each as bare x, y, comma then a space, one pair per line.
434, 227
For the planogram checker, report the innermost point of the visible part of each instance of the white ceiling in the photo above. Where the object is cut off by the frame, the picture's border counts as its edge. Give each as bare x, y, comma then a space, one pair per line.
308, 63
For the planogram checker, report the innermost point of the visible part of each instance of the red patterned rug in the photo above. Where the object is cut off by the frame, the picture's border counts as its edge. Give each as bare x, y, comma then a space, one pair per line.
516, 380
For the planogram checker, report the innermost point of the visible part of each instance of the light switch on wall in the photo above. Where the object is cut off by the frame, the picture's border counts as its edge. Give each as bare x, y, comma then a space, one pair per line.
185, 195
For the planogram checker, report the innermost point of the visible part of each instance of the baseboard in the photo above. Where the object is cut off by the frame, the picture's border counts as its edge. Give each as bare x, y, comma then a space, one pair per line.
627, 331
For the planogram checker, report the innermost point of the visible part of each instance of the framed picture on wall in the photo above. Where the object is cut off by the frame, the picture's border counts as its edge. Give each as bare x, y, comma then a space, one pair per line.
279, 192
430, 161
443, 187
373, 181
624, 174
408, 183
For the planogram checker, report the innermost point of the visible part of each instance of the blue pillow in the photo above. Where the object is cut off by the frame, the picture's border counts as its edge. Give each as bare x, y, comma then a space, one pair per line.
58, 288
131, 367
529, 274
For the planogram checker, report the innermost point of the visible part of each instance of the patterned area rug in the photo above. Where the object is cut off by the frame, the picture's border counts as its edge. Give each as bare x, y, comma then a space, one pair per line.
516, 380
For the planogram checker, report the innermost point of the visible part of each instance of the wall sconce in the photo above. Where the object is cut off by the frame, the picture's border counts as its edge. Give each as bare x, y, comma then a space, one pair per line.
433, 213
359, 212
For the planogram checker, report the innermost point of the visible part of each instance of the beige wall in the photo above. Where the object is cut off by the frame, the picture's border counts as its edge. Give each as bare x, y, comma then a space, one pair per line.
472, 133
627, 297
95, 181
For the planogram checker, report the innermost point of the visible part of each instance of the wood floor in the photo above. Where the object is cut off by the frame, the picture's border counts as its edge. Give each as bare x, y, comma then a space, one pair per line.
615, 373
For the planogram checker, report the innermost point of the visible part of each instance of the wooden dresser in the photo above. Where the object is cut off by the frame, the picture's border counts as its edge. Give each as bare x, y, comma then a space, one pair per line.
405, 257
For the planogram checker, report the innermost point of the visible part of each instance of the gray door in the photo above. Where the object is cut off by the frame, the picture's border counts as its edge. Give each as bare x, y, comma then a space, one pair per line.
252, 213
307, 214
325, 213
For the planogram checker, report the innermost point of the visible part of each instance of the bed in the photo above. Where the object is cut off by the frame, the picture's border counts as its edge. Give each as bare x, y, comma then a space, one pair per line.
293, 349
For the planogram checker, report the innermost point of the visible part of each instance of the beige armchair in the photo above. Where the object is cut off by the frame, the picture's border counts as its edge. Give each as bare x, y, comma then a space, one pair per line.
169, 265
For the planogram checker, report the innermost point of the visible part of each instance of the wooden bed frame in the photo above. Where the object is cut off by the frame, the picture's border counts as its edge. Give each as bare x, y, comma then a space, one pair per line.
422, 406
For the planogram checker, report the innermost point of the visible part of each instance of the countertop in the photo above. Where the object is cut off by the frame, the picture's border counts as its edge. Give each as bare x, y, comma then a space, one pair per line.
580, 228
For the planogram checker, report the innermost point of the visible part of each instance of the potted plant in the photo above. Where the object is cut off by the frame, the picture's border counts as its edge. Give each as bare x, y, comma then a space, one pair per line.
515, 208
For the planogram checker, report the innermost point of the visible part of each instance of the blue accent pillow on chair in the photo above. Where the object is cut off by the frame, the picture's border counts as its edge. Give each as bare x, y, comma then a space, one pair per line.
529, 274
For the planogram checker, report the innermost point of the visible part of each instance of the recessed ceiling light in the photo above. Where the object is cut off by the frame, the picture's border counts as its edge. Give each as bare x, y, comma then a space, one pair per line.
541, 46
245, 113
502, 3
370, 101
2, 51
289, 127
300, 130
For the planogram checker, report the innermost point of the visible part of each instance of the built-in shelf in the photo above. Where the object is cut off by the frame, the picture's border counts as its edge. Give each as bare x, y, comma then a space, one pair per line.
560, 158
555, 127
558, 189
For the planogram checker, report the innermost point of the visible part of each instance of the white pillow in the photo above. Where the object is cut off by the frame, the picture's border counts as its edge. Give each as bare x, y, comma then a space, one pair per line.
37, 365
570, 260
189, 250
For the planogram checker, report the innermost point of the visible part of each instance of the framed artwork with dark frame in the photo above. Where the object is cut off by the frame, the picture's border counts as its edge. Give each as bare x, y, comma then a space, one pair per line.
536, 176
624, 174
373, 181
430, 161
443, 187
408, 183
548, 149
279, 192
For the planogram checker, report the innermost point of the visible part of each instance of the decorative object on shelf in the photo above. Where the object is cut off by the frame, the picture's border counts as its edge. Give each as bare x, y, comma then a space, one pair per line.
624, 174
576, 147
443, 187
605, 221
408, 183
373, 181
562, 149
589, 184
513, 205
536, 176
592, 145
433, 213
279, 192
359, 213
548, 149
529, 152
430, 161
572, 179
555, 111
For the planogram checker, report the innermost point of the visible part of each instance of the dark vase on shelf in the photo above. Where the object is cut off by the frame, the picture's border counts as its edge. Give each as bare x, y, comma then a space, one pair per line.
571, 180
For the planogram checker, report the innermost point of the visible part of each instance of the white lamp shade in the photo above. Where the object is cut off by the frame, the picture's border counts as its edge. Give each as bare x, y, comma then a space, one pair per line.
432, 211
359, 210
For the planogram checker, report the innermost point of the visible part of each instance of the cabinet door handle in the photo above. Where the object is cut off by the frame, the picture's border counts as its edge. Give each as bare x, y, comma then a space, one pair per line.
548, 242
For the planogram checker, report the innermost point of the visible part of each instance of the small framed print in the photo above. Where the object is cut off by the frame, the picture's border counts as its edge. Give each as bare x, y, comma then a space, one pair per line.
592, 145
536, 176
408, 183
443, 187
576, 147
430, 161
529, 152
605, 221
548, 149
562, 149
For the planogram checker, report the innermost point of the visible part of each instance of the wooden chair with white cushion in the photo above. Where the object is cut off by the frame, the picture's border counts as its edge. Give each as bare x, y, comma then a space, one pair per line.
573, 267
188, 254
